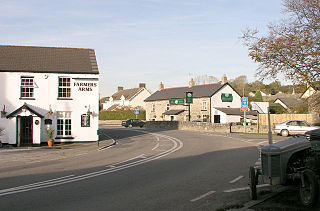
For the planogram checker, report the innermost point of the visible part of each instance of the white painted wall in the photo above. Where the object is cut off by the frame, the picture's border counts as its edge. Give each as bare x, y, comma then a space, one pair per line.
217, 102
46, 94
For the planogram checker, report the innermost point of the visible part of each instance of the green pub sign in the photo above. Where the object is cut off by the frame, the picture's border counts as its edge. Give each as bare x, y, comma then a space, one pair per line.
189, 97
226, 97
176, 102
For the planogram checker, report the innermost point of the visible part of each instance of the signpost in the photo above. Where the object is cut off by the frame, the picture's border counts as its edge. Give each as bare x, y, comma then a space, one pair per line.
244, 108
136, 112
189, 99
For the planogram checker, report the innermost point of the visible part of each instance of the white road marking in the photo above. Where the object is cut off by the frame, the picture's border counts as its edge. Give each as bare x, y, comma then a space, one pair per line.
202, 196
244, 188
262, 142
236, 179
139, 156
157, 145
177, 145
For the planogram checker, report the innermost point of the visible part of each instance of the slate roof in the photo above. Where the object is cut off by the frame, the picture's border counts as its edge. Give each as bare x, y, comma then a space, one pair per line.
47, 60
236, 111
127, 93
291, 101
206, 90
173, 112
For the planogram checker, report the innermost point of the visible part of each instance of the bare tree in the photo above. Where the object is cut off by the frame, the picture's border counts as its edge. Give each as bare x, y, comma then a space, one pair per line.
292, 47
205, 79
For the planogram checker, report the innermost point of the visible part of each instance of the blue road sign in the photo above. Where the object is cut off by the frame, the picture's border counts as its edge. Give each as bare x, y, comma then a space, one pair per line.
136, 111
244, 102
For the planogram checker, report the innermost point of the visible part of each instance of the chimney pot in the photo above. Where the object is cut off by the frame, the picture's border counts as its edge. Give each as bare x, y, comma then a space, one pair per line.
161, 86
191, 82
142, 85
120, 88
224, 79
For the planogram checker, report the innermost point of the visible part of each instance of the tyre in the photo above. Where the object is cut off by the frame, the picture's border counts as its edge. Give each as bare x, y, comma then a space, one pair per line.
309, 188
252, 183
284, 132
130, 126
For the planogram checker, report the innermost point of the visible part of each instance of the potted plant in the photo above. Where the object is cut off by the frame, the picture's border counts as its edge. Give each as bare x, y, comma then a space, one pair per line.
50, 140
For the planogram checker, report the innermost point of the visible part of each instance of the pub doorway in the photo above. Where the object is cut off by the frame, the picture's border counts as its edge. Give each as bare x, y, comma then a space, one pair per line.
26, 130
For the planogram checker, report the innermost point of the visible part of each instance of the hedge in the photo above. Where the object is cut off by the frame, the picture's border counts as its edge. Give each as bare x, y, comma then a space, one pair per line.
121, 115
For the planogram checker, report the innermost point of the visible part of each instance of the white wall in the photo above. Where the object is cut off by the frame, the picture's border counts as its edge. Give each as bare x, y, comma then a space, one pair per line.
217, 102
138, 100
46, 94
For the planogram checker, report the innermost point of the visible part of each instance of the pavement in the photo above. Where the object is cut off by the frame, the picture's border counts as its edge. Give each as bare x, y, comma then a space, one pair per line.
17, 156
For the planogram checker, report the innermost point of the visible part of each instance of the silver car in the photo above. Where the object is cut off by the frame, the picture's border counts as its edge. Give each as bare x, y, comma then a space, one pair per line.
293, 127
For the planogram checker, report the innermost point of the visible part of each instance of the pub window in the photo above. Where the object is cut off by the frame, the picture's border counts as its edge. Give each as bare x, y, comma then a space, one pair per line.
64, 88
27, 87
153, 107
64, 123
85, 120
168, 107
204, 105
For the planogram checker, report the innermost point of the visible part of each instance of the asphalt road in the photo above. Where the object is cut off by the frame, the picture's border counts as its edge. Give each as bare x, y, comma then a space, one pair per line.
145, 170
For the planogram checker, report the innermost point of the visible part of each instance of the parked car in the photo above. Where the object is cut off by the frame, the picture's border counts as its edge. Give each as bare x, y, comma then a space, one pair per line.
293, 127
132, 123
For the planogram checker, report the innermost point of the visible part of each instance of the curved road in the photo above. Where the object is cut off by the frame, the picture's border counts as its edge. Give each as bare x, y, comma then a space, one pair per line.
145, 170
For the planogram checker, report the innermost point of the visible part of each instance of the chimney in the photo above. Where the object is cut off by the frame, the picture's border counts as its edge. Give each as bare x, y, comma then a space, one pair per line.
161, 86
191, 82
142, 85
224, 79
120, 88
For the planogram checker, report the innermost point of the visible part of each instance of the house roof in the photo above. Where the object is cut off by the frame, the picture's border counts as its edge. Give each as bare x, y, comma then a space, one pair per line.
173, 112
47, 59
127, 93
291, 101
206, 90
25, 106
236, 111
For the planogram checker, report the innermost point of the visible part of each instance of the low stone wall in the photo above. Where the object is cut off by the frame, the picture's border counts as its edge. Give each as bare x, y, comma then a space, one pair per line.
110, 122
204, 126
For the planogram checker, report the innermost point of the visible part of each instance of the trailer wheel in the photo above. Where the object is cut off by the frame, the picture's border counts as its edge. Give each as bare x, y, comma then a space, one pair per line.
309, 188
252, 183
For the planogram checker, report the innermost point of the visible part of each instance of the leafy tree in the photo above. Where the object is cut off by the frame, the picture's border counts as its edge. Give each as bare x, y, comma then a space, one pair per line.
258, 97
292, 47
240, 84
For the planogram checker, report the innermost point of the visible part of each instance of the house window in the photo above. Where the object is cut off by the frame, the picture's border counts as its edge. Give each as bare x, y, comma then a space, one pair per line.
85, 120
205, 118
168, 107
26, 87
64, 90
63, 123
153, 108
204, 105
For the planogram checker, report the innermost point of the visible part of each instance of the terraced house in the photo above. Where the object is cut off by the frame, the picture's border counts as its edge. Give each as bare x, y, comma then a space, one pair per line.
217, 103
45, 87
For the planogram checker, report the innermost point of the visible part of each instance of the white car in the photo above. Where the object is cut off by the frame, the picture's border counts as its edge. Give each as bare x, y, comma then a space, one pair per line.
293, 127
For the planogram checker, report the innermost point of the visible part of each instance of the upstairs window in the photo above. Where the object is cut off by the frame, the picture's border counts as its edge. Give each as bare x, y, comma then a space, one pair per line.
64, 90
153, 107
27, 87
204, 105
168, 107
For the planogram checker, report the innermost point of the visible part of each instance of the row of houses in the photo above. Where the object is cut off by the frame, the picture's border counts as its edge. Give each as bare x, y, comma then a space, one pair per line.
58, 88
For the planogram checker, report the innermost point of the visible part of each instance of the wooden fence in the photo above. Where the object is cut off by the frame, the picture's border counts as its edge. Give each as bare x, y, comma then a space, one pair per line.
278, 118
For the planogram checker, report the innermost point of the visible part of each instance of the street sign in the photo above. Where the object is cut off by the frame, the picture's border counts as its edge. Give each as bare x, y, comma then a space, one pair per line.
189, 97
244, 109
244, 102
136, 111
176, 102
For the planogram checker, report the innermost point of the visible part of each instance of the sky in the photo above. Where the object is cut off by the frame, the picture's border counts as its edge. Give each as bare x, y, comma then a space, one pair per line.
144, 41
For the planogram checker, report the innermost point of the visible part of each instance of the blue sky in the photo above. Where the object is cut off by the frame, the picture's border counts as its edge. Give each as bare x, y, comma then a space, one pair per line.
145, 41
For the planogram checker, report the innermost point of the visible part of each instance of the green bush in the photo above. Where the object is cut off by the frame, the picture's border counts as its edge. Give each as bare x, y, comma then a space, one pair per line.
121, 115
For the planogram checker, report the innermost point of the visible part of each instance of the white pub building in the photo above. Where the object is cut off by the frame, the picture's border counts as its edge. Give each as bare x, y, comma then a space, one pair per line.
44, 87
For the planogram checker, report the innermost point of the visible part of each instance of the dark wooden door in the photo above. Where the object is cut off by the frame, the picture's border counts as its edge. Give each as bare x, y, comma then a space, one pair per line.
26, 130
216, 119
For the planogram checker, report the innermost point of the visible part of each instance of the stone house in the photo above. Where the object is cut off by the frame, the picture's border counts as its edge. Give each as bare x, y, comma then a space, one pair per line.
127, 97
170, 104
